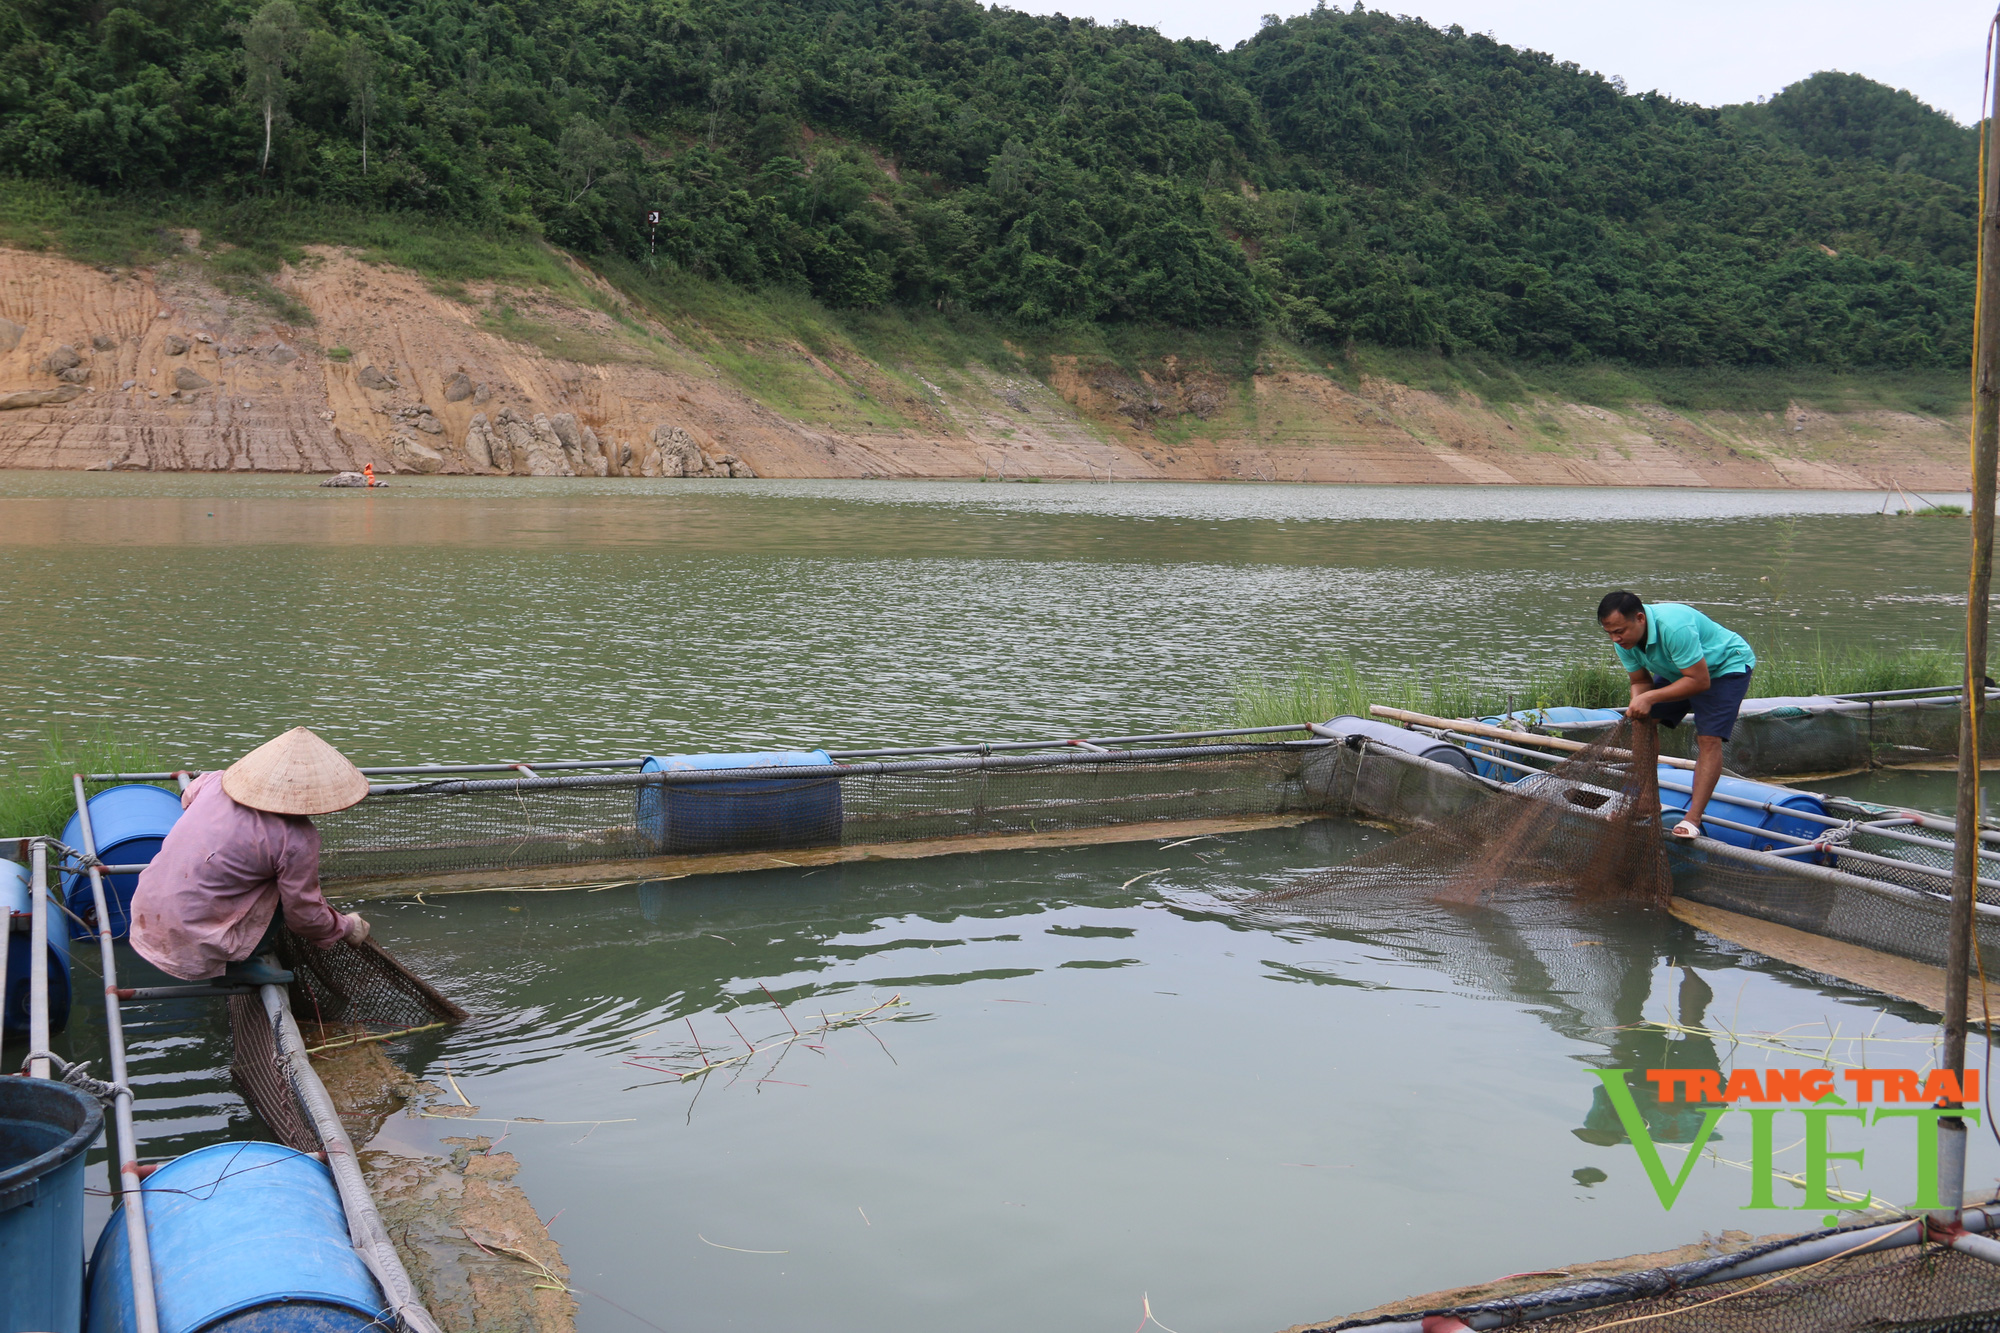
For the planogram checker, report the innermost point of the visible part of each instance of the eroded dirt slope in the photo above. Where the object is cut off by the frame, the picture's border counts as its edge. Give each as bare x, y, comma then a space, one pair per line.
157, 369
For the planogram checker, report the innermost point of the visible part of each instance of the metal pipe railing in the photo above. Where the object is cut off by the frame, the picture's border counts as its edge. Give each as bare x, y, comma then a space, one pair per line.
38, 961
1878, 828
7, 930
125, 1140
974, 747
1525, 770
1905, 693
365, 1230
505, 766
986, 747
1849, 703
807, 772
1845, 852
1921, 818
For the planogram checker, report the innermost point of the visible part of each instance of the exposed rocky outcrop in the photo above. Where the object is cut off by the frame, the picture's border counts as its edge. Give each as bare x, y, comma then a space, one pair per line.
480, 445
673, 453
545, 449
414, 456
37, 398
93, 366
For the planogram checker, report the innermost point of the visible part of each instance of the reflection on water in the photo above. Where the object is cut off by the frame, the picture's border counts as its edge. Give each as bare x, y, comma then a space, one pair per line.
1096, 1086
1918, 789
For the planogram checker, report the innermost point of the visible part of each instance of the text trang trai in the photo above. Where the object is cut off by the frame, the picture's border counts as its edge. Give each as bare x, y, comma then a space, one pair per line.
1811, 1095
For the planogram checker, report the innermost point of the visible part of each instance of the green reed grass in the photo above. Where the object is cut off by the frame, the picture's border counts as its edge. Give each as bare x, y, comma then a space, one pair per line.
1340, 686
36, 799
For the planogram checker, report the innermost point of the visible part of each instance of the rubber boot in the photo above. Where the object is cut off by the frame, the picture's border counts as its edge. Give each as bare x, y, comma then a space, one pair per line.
262, 970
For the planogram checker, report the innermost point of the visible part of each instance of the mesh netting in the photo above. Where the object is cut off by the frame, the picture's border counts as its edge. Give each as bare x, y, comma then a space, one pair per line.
1587, 830
1789, 742
1855, 902
253, 1067
347, 987
360, 984
453, 827
1916, 1290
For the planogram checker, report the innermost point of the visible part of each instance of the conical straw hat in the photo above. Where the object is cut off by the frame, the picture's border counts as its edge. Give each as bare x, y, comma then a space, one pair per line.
295, 774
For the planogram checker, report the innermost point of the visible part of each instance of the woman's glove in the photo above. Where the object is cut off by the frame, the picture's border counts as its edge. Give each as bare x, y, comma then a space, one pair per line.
357, 928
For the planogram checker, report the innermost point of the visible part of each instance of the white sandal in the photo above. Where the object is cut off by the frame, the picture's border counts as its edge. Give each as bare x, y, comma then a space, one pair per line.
1686, 830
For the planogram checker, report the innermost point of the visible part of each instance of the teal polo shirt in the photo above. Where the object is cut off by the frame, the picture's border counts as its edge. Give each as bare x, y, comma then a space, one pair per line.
1678, 636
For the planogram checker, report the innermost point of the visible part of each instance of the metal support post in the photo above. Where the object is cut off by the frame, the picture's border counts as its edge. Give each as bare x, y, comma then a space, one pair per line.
125, 1139
38, 960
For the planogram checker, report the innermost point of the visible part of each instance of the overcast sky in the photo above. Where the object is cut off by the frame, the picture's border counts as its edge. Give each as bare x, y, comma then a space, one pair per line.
1706, 51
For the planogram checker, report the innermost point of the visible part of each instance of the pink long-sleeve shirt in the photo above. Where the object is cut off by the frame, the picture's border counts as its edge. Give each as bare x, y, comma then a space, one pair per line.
210, 893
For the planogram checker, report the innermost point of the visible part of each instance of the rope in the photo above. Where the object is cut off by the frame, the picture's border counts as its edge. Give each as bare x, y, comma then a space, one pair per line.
77, 1076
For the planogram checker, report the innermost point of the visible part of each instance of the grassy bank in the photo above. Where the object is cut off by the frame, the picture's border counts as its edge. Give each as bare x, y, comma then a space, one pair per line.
1340, 686
36, 799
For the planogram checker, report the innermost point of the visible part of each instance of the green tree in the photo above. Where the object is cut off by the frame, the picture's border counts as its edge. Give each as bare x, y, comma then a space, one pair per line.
1343, 175
271, 43
586, 154
359, 68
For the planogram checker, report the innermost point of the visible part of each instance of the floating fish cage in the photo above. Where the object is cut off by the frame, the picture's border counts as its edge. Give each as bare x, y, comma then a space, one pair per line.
252, 1237
447, 828
1840, 870
1850, 871
1793, 736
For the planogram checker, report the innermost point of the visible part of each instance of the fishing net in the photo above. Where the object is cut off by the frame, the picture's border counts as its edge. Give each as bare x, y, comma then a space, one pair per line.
1587, 830
253, 1067
360, 984
1927, 1289
347, 989
460, 827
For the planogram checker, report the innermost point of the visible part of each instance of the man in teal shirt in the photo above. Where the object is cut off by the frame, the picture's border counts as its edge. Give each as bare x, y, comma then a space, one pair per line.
1680, 661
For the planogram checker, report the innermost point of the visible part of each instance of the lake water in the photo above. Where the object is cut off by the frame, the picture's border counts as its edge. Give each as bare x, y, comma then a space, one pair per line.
1102, 1079
466, 618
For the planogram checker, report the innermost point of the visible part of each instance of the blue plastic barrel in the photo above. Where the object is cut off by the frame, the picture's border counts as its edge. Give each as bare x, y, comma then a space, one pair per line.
1535, 717
741, 815
16, 899
130, 821
245, 1236
45, 1130
1739, 800
1396, 738
1563, 717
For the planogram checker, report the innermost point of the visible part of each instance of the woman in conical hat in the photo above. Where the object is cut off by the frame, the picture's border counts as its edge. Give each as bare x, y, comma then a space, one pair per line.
243, 860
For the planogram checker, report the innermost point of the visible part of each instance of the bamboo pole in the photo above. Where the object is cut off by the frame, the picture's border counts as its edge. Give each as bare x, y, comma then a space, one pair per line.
1472, 728
1985, 453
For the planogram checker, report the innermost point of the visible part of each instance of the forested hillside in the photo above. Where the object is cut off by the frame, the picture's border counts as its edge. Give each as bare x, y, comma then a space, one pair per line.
1344, 176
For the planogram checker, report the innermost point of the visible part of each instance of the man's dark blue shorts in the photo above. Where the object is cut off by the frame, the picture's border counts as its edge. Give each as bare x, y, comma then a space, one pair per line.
1714, 708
